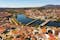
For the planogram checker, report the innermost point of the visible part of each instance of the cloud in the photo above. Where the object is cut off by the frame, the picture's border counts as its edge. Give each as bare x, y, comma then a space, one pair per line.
26, 3
18, 6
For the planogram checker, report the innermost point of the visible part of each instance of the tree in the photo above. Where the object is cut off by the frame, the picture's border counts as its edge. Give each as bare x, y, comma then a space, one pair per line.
58, 20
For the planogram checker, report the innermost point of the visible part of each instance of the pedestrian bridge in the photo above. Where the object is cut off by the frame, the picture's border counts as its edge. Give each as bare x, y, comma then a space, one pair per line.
32, 21
44, 23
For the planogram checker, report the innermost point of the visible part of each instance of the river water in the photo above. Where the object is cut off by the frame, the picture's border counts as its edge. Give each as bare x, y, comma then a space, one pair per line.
24, 20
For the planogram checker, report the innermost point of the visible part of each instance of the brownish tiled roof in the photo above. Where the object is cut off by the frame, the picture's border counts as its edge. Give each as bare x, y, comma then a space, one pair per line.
5, 14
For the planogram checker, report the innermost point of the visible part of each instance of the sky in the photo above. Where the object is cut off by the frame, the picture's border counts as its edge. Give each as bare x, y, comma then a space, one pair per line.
27, 3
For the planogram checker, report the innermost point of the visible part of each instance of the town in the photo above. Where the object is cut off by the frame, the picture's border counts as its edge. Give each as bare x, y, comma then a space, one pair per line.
12, 25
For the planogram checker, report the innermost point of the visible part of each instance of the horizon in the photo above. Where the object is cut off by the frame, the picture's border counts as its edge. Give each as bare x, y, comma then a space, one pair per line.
30, 6
27, 3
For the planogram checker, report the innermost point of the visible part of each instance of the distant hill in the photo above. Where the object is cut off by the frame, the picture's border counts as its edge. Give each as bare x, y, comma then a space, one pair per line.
51, 6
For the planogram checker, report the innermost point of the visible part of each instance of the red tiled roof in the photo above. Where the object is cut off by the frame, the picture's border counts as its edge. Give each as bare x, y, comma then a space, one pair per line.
4, 14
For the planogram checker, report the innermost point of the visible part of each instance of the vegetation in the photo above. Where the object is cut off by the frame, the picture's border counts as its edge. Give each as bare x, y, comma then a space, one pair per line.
58, 20
36, 26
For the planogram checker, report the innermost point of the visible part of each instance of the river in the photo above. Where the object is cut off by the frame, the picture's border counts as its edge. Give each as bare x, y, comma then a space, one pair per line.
24, 20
